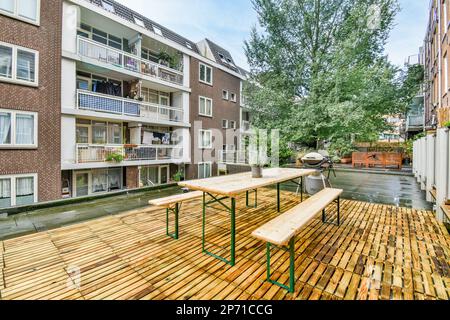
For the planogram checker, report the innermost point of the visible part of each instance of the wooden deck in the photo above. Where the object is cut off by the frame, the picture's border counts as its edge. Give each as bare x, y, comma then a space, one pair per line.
379, 252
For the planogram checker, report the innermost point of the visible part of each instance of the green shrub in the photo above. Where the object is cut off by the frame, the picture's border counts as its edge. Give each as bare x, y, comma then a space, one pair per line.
114, 157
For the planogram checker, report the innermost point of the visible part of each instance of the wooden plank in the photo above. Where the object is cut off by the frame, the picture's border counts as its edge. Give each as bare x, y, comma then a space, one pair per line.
178, 198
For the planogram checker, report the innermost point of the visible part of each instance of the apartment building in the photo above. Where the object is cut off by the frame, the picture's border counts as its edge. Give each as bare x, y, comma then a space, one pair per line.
30, 111
97, 98
136, 97
437, 55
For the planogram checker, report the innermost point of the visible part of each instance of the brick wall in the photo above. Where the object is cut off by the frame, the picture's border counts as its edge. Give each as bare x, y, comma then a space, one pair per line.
222, 109
45, 100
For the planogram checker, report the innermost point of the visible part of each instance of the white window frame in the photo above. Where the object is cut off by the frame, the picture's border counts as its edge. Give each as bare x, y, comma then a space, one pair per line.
232, 94
13, 179
139, 22
13, 78
202, 164
225, 94
200, 74
226, 126
232, 124
446, 82
15, 13
200, 139
108, 6
13, 144
199, 104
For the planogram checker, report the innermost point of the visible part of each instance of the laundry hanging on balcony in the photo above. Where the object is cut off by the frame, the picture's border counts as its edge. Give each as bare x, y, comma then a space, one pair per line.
107, 87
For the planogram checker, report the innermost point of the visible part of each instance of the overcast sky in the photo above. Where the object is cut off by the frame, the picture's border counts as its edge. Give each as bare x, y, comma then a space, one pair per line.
228, 23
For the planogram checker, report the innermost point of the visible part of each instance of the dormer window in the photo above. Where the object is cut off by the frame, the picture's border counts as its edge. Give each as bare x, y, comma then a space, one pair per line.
108, 6
188, 45
139, 22
157, 30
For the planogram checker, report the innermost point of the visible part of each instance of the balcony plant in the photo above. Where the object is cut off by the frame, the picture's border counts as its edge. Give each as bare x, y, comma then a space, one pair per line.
165, 59
177, 177
114, 157
446, 124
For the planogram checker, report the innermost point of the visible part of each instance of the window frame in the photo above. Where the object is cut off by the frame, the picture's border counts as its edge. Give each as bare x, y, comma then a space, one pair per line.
13, 186
13, 79
199, 108
200, 64
225, 121
225, 95
231, 97
13, 144
234, 126
203, 164
15, 14
200, 139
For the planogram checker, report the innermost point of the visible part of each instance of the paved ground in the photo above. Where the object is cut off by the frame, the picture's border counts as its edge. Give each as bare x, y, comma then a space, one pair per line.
398, 190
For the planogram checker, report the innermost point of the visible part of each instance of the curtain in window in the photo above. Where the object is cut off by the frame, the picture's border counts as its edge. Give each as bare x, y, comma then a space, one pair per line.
24, 191
5, 193
28, 9
5, 128
99, 181
24, 129
114, 179
114, 134
5, 61
99, 134
25, 65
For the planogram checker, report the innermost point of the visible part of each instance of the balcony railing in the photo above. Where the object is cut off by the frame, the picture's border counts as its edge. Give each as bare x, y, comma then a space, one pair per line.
245, 126
233, 157
127, 61
87, 153
415, 121
87, 100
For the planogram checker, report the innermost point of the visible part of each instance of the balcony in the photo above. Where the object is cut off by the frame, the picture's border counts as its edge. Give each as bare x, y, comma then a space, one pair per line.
91, 101
233, 157
414, 122
245, 126
87, 153
127, 61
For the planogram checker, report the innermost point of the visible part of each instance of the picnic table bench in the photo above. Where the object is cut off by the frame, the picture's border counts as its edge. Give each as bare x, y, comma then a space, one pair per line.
173, 204
281, 231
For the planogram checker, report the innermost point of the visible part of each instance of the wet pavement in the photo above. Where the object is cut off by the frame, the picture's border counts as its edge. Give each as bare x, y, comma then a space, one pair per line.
399, 190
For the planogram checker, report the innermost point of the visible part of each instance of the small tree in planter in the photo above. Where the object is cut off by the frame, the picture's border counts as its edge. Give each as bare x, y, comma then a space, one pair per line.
114, 157
177, 177
446, 124
258, 152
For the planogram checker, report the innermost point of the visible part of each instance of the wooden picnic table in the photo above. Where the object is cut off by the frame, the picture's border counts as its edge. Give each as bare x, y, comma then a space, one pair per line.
229, 187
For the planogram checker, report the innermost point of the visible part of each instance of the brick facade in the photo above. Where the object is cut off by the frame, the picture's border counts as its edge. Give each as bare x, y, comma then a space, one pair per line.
45, 99
222, 110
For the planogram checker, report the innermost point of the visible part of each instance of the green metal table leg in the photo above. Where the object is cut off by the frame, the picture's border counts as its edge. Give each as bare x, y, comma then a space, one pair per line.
233, 231
176, 211
278, 197
247, 199
203, 221
301, 189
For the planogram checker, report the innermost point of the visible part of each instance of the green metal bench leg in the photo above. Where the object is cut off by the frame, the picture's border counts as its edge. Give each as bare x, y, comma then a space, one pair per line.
247, 201
301, 189
176, 211
291, 250
338, 204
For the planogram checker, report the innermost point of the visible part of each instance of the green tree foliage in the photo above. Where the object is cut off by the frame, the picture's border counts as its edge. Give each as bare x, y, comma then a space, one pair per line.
319, 72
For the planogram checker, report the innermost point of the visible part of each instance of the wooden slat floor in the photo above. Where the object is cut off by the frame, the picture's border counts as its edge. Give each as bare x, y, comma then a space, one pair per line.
379, 252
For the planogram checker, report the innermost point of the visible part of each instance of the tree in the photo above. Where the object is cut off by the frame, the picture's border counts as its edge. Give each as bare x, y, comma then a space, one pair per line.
318, 71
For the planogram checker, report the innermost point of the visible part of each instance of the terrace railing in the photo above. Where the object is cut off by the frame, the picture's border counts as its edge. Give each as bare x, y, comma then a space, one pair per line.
234, 157
87, 100
87, 153
121, 59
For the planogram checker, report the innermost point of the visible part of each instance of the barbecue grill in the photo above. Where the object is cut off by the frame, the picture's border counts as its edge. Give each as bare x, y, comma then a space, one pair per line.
320, 162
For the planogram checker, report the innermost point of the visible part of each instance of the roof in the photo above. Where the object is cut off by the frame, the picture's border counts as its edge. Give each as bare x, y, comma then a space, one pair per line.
128, 14
222, 56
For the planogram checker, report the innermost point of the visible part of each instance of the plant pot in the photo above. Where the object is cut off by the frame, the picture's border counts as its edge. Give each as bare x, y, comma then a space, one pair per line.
257, 172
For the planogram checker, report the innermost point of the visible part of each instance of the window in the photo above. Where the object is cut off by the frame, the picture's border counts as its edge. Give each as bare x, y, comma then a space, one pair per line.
18, 190
139, 22
18, 64
445, 74
18, 129
26, 10
108, 6
157, 30
445, 16
225, 124
97, 132
205, 107
233, 97
206, 74
188, 45
150, 55
225, 94
204, 170
232, 124
205, 139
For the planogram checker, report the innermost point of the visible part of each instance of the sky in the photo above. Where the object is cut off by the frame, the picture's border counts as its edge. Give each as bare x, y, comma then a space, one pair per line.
228, 23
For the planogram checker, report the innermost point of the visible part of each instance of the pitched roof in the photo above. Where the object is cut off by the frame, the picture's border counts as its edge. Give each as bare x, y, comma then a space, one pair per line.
128, 14
222, 56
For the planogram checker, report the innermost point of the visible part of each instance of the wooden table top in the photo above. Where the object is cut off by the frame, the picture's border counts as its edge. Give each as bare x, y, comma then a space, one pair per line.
232, 185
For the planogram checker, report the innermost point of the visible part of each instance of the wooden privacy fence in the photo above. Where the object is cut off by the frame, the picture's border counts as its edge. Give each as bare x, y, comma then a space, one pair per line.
443, 116
373, 159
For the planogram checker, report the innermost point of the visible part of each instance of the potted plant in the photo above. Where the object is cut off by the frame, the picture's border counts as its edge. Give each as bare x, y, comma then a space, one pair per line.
257, 159
165, 59
446, 124
114, 157
177, 177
